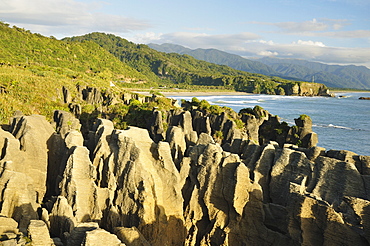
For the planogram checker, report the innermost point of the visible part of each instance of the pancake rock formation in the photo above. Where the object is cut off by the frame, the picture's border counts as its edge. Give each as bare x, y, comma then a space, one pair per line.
202, 180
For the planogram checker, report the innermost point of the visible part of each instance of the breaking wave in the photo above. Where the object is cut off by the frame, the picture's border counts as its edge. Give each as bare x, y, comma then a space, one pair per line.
338, 127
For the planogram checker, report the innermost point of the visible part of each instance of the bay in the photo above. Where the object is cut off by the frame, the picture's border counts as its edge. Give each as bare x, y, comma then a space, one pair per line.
341, 122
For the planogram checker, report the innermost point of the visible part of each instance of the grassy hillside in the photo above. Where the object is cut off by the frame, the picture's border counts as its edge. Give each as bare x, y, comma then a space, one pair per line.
182, 70
34, 68
21, 47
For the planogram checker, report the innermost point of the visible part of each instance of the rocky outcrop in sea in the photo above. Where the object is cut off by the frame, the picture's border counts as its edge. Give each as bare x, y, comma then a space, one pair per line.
190, 178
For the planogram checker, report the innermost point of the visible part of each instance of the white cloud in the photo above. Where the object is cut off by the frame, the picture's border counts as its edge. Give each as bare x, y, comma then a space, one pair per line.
250, 45
309, 50
314, 27
145, 38
270, 42
201, 40
347, 34
65, 16
198, 29
311, 25
267, 53
309, 43
305, 26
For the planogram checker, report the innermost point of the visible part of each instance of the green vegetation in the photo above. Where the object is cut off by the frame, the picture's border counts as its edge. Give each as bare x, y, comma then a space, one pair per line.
137, 113
257, 111
183, 71
218, 57
335, 76
205, 106
34, 68
218, 136
209, 109
304, 117
28, 92
74, 59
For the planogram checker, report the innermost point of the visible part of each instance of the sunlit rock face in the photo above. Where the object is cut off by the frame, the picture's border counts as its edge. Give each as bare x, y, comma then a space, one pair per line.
182, 185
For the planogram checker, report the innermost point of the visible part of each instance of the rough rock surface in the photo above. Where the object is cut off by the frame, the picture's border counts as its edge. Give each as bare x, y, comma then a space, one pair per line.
133, 187
35, 135
8, 225
78, 234
131, 236
39, 233
61, 218
99, 236
78, 185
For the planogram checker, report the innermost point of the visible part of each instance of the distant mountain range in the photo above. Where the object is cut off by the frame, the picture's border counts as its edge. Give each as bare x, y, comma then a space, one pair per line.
356, 77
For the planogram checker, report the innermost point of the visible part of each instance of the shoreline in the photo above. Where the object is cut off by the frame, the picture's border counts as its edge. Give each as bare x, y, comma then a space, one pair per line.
206, 93
344, 91
195, 93
220, 93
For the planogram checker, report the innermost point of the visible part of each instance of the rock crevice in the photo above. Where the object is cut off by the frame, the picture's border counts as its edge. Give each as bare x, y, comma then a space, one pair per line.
179, 186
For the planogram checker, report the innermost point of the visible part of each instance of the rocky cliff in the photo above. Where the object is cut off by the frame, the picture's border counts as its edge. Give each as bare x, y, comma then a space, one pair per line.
190, 178
306, 89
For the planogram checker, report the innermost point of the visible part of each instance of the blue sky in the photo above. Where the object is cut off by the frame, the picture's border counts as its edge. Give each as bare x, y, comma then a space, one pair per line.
329, 31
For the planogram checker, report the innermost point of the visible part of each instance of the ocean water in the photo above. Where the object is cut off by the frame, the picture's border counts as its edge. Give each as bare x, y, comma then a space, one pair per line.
342, 123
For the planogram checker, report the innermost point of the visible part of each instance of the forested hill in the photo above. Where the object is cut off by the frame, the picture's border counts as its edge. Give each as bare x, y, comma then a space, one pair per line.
21, 47
218, 57
356, 77
350, 76
183, 70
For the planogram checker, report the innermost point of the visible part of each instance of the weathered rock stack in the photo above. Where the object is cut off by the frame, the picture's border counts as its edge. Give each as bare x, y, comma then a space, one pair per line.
252, 187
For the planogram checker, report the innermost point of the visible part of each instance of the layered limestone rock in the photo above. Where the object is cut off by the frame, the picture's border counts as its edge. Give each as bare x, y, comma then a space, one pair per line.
289, 167
62, 220
306, 89
38, 232
313, 222
176, 138
18, 196
65, 122
78, 185
98, 236
219, 210
35, 135
122, 187
148, 194
8, 225
78, 234
131, 236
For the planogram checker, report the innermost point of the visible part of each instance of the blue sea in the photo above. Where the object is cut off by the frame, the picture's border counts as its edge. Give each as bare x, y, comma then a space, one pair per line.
341, 122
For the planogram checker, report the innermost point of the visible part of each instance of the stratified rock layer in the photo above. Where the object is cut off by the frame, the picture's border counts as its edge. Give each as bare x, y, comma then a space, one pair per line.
185, 186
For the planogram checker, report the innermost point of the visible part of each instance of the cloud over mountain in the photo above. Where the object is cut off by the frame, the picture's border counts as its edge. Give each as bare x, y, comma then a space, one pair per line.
249, 44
